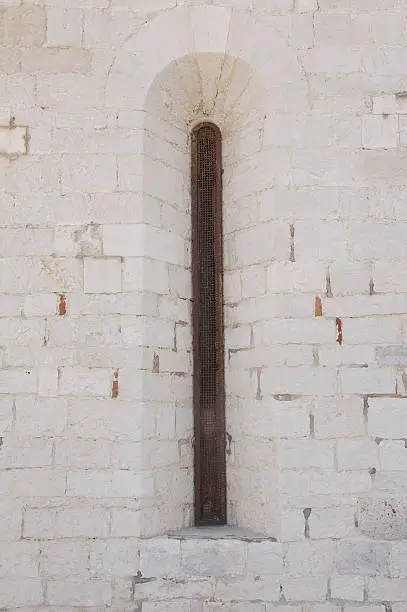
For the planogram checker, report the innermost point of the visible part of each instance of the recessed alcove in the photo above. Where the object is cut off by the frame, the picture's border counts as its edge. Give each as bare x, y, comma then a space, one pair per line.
214, 72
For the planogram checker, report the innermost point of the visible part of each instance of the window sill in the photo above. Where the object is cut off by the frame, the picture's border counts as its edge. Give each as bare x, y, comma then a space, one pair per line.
223, 532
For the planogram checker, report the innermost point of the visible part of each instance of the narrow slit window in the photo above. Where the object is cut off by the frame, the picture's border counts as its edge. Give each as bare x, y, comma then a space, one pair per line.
208, 343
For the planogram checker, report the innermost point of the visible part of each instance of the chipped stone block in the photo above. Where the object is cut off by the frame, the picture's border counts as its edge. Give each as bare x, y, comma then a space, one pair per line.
383, 519
13, 141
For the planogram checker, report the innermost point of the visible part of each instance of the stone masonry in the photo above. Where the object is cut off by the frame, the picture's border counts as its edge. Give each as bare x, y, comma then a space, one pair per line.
97, 102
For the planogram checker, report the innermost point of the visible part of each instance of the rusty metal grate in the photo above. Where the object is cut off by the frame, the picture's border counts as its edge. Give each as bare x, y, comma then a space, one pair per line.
209, 392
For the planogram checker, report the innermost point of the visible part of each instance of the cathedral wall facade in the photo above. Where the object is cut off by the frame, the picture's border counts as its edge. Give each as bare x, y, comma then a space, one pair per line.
97, 103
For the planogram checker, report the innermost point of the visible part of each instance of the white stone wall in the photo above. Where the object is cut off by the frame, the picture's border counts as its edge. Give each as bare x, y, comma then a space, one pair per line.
97, 101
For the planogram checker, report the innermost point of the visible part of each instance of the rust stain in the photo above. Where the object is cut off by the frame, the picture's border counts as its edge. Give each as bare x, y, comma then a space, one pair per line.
62, 305
339, 337
115, 384
318, 307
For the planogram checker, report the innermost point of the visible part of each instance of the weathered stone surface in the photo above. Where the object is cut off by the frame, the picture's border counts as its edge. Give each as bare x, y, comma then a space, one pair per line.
383, 519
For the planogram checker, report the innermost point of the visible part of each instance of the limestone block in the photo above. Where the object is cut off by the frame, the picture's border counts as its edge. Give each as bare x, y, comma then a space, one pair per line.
385, 59
82, 453
387, 418
398, 559
39, 305
380, 132
64, 27
10, 520
118, 557
79, 593
42, 482
292, 525
391, 355
332, 522
19, 559
389, 104
91, 173
77, 241
306, 381
50, 416
387, 589
372, 330
263, 243
36, 275
56, 61
305, 454
393, 455
23, 333
102, 275
125, 523
383, 519
298, 331
363, 558
118, 483
368, 608
333, 58
18, 380
368, 381
264, 558
274, 5
145, 274
305, 589
213, 557
346, 355
160, 557
210, 28
24, 26
85, 382
13, 141
14, 596
34, 453
253, 281
110, 419
171, 606
342, 483
309, 559
90, 331
72, 92
6, 414
64, 558
248, 589
78, 522
296, 277
347, 588
141, 240
305, 6
358, 454
146, 331
349, 278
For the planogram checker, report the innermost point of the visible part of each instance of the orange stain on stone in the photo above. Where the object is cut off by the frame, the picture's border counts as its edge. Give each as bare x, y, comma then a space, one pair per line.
115, 385
339, 337
62, 305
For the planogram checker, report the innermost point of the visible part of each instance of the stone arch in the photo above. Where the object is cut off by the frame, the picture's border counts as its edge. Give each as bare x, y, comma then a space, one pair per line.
220, 65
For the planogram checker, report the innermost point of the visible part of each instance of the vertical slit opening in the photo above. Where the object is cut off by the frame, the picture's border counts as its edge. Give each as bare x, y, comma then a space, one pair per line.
207, 315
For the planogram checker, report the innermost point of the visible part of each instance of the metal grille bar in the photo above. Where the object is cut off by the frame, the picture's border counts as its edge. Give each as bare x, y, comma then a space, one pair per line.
207, 271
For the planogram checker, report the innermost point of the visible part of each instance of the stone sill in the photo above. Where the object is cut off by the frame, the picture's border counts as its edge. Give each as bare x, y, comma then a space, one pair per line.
223, 532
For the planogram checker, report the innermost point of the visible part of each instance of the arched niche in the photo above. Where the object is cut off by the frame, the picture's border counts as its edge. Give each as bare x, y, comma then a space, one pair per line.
221, 66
